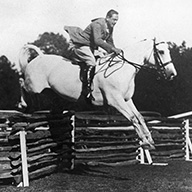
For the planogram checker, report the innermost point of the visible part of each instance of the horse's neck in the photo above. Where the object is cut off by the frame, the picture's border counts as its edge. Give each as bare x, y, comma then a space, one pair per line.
139, 51
136, 53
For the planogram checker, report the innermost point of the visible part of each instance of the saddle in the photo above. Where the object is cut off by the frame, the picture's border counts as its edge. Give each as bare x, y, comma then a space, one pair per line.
85, 74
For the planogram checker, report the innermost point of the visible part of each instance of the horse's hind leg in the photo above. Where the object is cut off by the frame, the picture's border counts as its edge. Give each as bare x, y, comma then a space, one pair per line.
130, 112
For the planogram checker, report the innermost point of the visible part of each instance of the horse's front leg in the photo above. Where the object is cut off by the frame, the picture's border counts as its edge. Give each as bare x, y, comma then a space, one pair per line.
130, 112
140, 120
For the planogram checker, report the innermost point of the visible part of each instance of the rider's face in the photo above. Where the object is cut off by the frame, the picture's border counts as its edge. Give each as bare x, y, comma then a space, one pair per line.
111, 21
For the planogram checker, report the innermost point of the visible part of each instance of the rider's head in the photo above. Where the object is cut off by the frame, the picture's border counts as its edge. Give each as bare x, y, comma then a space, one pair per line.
112, 18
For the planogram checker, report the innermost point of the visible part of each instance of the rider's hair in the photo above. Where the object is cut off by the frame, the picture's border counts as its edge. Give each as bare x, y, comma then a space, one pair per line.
111, 12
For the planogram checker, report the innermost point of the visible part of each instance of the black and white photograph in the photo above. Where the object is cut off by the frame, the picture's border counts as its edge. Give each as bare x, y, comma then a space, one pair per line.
96, 96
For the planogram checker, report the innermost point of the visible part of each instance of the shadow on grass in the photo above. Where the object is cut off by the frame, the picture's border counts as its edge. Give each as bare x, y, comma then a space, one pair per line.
94, 171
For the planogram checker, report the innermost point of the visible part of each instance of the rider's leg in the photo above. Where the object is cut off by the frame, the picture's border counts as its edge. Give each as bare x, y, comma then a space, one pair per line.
69, 49
86, 55
90, 75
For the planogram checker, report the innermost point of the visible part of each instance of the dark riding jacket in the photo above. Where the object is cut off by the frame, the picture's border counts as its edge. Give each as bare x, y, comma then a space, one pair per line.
95, 35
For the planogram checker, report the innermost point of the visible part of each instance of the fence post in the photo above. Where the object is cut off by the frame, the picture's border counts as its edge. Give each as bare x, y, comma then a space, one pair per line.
142, 154
24, 158
73, 140
145, 152
188, 144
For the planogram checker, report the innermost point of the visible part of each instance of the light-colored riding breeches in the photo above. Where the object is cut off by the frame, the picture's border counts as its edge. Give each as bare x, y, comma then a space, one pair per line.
85, 54
78, 52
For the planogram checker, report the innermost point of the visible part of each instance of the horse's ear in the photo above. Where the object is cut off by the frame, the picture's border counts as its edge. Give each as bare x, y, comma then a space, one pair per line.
161, 42
158, 40
170, 45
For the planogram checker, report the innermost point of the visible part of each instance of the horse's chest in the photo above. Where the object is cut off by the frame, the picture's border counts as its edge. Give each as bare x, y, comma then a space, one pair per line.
129, 90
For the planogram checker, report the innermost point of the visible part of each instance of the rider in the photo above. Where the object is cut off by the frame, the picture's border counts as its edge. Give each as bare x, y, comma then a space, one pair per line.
99, 33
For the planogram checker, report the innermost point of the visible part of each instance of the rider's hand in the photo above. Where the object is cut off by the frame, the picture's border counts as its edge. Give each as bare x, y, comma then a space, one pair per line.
116, 51
99, 54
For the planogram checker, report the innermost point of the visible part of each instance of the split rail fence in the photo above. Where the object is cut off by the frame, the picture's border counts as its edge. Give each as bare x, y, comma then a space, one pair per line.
111, 140
34, 145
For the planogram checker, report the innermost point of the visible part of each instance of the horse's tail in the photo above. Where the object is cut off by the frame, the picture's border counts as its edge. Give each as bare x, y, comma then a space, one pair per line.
24, 55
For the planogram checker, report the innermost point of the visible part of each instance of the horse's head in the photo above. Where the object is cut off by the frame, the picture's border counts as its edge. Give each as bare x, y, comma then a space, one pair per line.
162, 61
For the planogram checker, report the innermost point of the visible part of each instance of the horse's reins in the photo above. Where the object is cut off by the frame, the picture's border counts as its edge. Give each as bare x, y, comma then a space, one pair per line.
136, 65
157, 58
110, 61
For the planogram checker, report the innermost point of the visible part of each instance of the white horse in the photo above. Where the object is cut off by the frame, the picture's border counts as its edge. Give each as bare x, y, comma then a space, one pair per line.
113, 82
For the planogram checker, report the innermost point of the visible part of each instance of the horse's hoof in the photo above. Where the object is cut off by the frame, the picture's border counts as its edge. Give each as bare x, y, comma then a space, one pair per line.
152, 147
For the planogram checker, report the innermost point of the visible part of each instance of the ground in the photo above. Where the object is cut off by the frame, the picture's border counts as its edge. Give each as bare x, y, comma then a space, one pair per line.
175, 177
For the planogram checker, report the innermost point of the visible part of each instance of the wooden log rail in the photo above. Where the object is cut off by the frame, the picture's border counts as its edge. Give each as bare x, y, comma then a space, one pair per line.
105, 146
100, 139
169, 143
5, 147
51, 143
5, 167
47, 142
188, 136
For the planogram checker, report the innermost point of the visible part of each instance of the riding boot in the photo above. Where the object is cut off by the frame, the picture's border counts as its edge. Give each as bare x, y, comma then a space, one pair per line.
90, 75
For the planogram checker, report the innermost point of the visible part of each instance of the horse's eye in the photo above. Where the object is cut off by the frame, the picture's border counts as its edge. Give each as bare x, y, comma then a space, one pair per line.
161, 52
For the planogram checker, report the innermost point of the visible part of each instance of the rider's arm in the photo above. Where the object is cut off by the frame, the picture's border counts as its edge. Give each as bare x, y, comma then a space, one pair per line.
109, 40
98, 34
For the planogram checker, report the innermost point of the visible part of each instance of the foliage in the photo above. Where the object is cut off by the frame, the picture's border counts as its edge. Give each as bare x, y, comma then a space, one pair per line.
167, 97
9, 84
52, 43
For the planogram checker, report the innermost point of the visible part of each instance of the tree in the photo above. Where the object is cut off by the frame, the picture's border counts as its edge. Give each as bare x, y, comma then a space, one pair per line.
182, 57
52, 43
9, 84
163, 96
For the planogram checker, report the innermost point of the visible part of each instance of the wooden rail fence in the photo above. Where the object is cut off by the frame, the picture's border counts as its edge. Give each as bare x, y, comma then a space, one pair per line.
111, 140
34, 145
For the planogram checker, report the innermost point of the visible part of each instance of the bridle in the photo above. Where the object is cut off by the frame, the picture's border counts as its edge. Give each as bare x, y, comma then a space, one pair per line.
160, 66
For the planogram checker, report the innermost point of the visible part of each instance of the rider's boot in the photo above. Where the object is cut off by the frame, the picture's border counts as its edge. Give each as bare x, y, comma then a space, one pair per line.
90, 75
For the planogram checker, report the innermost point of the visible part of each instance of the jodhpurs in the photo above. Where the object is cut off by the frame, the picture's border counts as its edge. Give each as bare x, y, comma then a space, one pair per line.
85, 54
78, 52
